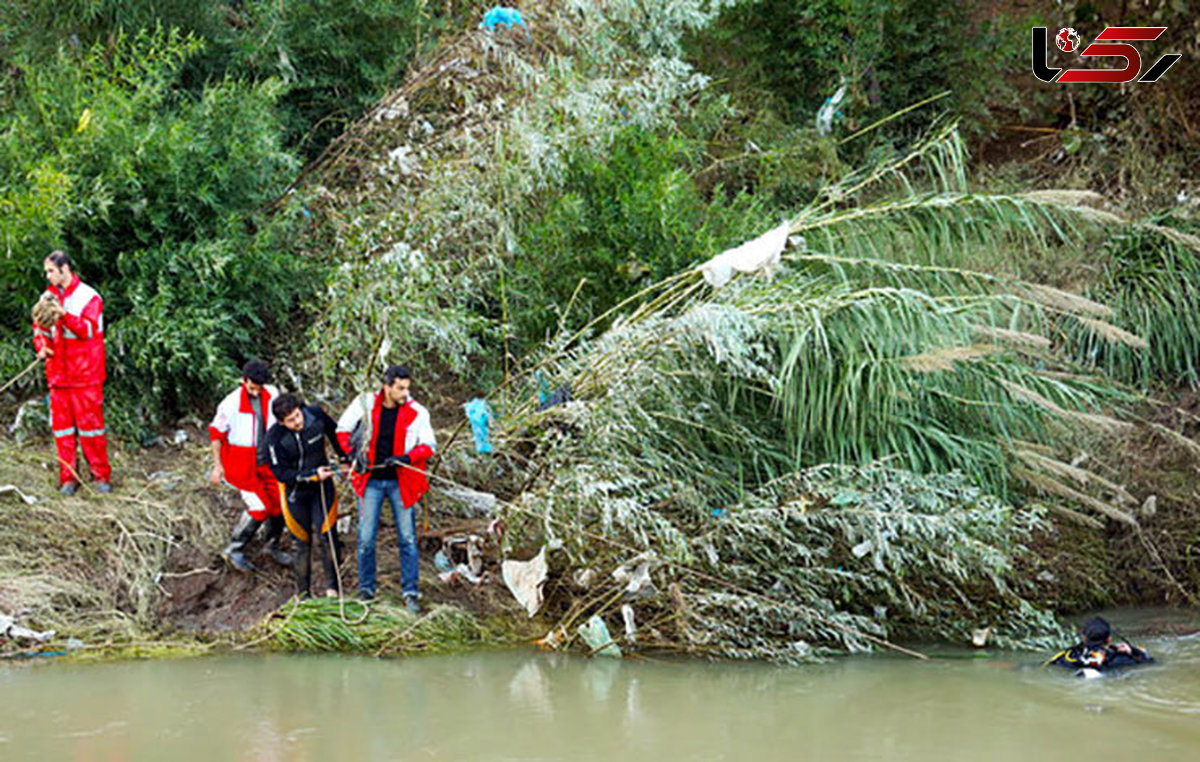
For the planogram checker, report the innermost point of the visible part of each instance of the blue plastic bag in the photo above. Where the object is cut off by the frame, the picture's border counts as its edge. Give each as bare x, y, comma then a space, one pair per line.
479, 414
505, 17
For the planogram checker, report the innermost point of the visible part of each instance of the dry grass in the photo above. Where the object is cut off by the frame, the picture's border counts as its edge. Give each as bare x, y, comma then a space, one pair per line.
944, 358
1019, 338
89, 565
1112, 333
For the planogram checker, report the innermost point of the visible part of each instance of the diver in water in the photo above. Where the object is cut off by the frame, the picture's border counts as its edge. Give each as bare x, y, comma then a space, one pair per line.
1097, 653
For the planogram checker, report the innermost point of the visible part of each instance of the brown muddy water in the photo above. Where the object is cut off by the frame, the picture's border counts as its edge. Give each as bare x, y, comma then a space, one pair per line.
529, 706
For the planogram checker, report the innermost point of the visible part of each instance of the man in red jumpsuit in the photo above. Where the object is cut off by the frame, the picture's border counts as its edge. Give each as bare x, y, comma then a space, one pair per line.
73, 349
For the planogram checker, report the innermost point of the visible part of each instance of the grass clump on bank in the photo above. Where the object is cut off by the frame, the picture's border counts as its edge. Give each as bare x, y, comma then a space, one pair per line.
380, 628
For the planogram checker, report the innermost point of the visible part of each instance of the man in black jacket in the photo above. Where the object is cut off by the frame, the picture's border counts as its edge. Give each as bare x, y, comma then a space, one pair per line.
296, 448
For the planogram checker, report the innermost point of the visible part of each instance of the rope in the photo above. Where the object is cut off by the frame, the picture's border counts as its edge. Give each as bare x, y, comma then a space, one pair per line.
337, 566
703, 575
19, 376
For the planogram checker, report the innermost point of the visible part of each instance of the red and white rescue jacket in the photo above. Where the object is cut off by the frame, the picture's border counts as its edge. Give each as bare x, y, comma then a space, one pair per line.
414, 431
77, 338
233, 426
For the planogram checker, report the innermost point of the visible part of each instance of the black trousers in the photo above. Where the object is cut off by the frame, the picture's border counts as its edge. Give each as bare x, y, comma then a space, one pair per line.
310, 511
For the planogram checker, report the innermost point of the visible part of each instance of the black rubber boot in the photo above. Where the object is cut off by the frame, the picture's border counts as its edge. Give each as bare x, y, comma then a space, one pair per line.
302, 565
327, 562
235, 551
274, 546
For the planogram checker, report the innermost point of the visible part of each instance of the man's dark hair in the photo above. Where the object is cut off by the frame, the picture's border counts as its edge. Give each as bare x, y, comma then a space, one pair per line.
1096, 632
58, 258
256, 371
284, 404
394, 372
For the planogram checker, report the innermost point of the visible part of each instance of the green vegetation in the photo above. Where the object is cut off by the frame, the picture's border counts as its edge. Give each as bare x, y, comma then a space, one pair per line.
889, 55
324, 624
630, 217
877, 439
153, 192
329, 60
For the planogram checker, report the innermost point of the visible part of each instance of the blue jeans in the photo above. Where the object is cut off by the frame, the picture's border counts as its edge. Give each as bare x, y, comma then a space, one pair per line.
369, 507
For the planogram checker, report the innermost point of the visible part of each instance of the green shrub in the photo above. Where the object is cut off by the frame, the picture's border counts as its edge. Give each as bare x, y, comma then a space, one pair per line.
156, 193
333, 58
890, 54
622, 220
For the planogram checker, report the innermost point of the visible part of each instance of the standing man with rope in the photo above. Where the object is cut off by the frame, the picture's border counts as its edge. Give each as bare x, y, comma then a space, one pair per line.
68, 334
239, 437
391, 439
296, 448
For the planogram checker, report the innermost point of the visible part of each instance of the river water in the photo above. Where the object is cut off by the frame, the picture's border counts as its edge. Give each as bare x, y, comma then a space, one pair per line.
523, 705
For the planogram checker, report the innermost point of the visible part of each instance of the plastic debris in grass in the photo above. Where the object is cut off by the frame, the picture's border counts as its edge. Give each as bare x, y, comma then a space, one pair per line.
479, 413
595, 634
10, 630
636, 580
547, 398
27, 499
829, 109
630, 623
505, 17
450, 568
525, 580
760, 255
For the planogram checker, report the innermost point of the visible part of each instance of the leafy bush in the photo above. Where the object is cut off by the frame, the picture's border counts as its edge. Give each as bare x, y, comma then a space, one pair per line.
154, 192
623, 219
336, 58
890, 54
333, 58
194, 310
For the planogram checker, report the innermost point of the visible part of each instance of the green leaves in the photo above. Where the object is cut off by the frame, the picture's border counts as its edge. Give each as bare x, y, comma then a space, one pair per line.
154, 192
622, 219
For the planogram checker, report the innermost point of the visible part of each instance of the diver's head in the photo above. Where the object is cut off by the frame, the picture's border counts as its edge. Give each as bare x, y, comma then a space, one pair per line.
1096, 632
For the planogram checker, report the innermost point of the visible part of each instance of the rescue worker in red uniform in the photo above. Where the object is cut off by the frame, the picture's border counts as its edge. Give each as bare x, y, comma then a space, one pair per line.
73, 350
238, 433
391, 439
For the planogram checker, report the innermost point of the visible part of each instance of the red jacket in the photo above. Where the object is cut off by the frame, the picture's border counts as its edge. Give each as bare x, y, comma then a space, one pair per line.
233, 426
413, 437
77, 338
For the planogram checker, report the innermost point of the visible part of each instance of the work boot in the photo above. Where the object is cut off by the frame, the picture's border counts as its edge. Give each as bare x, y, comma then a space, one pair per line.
68, 488
234, 552
274, 546
303, 566
103, 488
411, 604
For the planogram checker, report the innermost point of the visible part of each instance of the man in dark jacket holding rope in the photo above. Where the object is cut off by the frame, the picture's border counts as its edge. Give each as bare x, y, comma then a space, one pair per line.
296, 449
